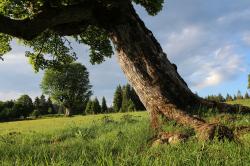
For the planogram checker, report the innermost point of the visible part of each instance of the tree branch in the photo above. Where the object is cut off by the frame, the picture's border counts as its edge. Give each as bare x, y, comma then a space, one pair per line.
29, 28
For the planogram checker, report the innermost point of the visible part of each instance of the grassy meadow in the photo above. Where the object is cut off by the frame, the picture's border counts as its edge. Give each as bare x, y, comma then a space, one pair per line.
116, 139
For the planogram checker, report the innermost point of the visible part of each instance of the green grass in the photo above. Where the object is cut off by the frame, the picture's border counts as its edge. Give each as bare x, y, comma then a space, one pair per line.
245, 102
114, 139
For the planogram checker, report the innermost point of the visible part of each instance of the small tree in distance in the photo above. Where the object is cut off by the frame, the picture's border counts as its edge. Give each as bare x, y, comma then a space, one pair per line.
68, 86
24, 105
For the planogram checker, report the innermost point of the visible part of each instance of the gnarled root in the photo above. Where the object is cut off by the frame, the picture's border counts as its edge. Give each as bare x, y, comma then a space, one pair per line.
210, 131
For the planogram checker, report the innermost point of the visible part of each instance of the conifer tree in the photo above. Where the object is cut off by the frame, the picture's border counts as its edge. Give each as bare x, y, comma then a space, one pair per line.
246, 96
95, 107
136, 100
88, 109
117, 102
125, 97
104, 105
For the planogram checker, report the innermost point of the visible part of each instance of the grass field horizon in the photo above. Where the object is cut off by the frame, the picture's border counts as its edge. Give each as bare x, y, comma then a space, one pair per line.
116, 139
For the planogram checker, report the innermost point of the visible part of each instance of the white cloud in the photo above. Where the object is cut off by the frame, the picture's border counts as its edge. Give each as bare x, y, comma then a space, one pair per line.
202, 60
183, 42
224, 64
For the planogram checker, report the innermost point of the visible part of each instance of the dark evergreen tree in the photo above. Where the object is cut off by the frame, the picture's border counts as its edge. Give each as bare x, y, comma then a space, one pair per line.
136, 100
131, 106
126, 96
117, 101
220, 98
229, 97
246, 96
43, 106
104, 105
95, 107
36, 103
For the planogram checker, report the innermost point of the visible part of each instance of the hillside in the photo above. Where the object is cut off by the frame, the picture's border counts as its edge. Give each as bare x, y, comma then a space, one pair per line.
115, 139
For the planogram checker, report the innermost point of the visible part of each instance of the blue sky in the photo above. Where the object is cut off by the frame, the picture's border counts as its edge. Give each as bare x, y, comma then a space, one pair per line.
208, 40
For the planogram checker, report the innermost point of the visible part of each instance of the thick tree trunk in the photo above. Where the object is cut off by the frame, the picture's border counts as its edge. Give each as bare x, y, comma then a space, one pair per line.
154, 78
68, 112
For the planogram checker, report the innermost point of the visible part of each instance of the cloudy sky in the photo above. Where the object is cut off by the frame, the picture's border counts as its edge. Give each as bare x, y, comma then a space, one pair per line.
208, 40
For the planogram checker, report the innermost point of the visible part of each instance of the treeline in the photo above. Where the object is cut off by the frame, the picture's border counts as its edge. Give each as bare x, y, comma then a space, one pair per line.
24, 107
228, 97
125, 100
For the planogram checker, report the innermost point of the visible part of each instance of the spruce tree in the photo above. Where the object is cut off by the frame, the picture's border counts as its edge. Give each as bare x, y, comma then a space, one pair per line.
125, 97
104, 105
36, 103
136, 100
88, 109
43, 107
95, 107
131, 106
117, 101
246, 95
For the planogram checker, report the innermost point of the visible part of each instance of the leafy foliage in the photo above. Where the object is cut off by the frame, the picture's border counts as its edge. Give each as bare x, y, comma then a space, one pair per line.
24, 105
4, 44
51, 50
97, 39
68, 86
48, 43
152, 6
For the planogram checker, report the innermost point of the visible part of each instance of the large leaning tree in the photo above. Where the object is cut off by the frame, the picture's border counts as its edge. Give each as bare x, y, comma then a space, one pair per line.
46, 26
68, 86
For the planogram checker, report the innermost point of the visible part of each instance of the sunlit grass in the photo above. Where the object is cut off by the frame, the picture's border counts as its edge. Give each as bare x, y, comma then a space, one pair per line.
114, 139
245, 102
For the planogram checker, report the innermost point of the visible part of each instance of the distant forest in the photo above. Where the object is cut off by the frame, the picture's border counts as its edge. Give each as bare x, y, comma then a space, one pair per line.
125, 99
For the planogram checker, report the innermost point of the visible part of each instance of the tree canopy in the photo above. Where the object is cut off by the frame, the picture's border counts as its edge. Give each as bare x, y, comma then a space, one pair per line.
48, 27
69, 86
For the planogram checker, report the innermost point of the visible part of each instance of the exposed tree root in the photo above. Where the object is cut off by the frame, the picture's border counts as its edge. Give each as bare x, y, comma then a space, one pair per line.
240, 130
211, 131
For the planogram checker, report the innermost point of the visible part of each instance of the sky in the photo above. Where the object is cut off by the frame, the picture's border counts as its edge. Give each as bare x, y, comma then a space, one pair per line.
209, 41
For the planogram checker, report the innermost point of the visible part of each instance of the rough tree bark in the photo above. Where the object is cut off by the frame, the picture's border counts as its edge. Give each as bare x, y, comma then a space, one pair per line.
155, 79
